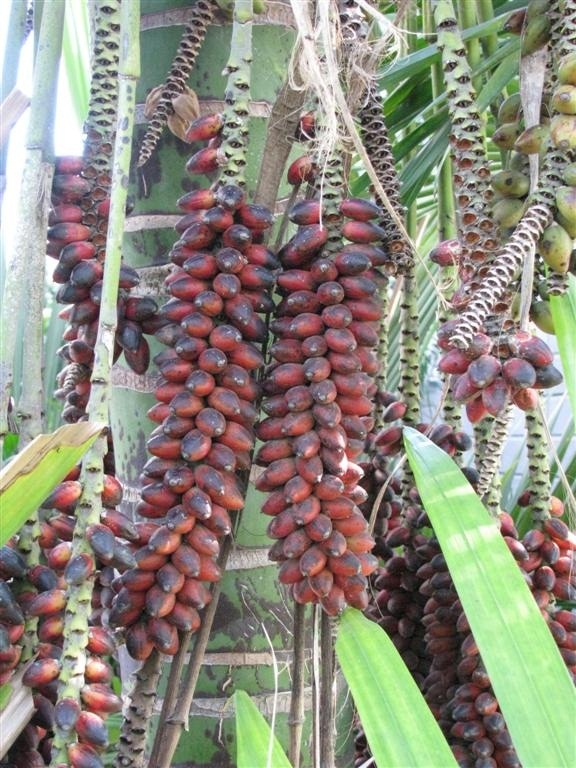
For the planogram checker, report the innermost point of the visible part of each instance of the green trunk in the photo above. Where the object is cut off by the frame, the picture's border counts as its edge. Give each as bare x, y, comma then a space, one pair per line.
238, 654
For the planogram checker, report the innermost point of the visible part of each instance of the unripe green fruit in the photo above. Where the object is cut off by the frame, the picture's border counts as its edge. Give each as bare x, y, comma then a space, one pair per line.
531, 141
555, 247
541, 316
569, 175
564, 99
566, 205
509, 111
511, 183
536, 8
508, 212
519, 162
505, 136
536, 34
567, 69
563, 131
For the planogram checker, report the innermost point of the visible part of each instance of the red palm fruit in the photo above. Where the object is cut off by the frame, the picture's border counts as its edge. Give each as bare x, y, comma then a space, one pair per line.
84, 275
256, 278
274, 503
324, 392
454, 361
282, 525
556, 508
197, 199
530, 348
321, 583
138, 580
210, 422
303, 593
100, 698
198, 325
358, 286
83, 756
97, 670
306, 510
297, 302
222, 457
166, 390
360, 542
204, 127
150, 511
495, 396
210, 481
362, 232
41, 672
319, 528
306, 324
344, 363
350, 526
359, 209
65, 212
340, 340
169, 578
305, 212
526, 399
310, 470
225, 402
225, 337
313, 346
483, 371
64, 527
112, 491
184, 617
163, 542
332, 437
209, 569
164, 635
237, 437
287, 351
68, 232
369, 361
295, 424
289, 572
158, 495
179, 479
463, 389
312, 561
547, 376
323, 270
178, 520
79, 568
100, 641
194, 594
475, 410
273, 450
270, 429
186, 560
209, 303
92, 729
80, 352
295, 544
68, 188
196, 237
339, 508
237, 236
176, 370
175, 310
276, 474
66, 712
334, 545
317, 369
203, 540
231, 196
361, 406
346, 564
204, 161
219, 521
186, 405
164, 447
292, 280
256, 217
262, 256
158, 602
306, 445
230, 260
364, 310
201, 265
334, 602
64, 495
366, 334
200, 383
297, 489
246, 356
301, 170
518, 373
44, 604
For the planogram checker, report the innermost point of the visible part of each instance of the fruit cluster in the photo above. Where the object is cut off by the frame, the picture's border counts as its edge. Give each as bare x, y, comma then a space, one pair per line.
77, 230
319, 400
12, 568
488, 374
205, 414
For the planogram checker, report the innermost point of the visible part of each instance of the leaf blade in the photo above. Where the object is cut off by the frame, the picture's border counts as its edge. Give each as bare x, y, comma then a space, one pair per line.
254, 737
35, 471
564, 316
509, 630
399, 726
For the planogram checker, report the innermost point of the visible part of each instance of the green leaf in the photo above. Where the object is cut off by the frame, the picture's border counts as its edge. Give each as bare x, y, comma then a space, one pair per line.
528, 674
75, 47
256, 745
564, 315
32, 475
399, 726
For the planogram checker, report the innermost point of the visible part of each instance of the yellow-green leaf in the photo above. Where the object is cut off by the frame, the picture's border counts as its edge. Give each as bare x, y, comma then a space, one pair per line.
564, 315
33, 474
399, 726
528, 675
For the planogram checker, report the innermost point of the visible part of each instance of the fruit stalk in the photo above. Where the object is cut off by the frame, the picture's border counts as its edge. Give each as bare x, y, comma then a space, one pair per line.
296, 716
193, 37
236, 113
500, 274
488, 485
26, 270
538, 466
135, 722
90, 504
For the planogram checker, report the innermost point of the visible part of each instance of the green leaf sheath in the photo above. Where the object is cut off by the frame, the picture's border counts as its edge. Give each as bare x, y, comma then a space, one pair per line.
512, 636
256, 745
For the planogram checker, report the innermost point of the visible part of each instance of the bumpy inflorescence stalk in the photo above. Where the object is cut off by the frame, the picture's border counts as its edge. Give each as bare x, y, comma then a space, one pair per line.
194, 34
489, 481
538, 466
501, 272
79, 594
236, 113
476, 229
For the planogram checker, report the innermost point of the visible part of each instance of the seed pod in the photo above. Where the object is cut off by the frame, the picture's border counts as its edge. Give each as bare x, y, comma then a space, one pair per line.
510, 183
505, 135
531, 140
555, 247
